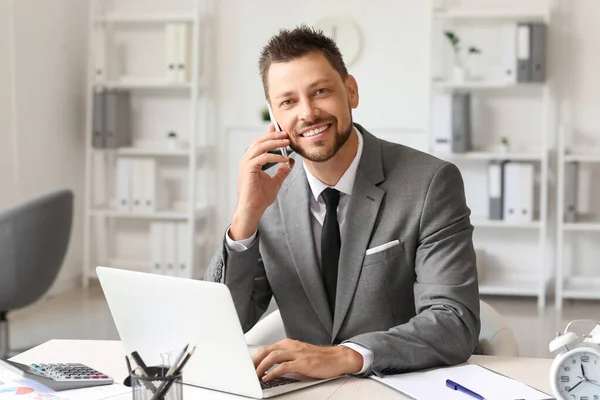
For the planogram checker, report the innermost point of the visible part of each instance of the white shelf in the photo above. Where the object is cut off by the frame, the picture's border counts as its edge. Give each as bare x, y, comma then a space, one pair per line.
146, 18
582, 288
490, 155
510, 287
582, 227
482, 85
482, 223
160, 215
152, 152
145, 84
590, 158
499, 15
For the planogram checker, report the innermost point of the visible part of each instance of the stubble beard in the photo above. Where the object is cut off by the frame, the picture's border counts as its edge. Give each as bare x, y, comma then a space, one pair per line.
324, 153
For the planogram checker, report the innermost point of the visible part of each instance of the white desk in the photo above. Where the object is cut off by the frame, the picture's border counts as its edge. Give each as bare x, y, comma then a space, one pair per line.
109, 357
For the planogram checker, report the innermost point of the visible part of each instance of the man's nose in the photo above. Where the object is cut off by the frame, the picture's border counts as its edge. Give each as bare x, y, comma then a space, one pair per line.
308, 111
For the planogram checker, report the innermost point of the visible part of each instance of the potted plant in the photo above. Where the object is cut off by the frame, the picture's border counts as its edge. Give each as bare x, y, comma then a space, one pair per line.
459, 70
172, 140
264, 115
504, 145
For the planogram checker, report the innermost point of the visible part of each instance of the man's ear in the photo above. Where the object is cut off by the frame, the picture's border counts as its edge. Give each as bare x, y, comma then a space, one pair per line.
352, 89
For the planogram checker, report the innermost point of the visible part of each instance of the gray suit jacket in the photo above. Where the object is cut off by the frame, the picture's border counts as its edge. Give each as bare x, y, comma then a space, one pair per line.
415, 305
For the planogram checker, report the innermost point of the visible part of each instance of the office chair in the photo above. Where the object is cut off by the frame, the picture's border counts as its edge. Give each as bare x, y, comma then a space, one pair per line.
496, 338
34, 238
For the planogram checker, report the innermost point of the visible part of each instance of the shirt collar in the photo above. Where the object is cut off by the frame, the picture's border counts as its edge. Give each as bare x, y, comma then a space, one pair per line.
346, 182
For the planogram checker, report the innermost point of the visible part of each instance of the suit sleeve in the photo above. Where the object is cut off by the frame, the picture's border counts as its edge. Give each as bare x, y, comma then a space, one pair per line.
244, 274
446, 328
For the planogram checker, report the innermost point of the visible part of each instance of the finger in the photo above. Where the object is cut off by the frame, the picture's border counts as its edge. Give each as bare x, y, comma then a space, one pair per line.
260, 355
262, 147
283, 368
283, 171
266, 158
274, 357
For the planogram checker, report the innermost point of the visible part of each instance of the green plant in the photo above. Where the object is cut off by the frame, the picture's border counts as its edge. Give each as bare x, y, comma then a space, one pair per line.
172, 135
455, 42
264, 115
504, 140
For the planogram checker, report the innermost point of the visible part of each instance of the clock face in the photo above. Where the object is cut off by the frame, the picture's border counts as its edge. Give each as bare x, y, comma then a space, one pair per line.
576, 375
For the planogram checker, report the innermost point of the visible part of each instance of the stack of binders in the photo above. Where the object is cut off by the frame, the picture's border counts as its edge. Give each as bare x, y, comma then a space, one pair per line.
178, 39
138, 190
170, 249
111, 121
452, 122
511, 191
524, 52
571, 191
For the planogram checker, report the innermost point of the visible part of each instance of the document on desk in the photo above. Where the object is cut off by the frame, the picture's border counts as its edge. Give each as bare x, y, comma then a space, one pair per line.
12, 385
488, 384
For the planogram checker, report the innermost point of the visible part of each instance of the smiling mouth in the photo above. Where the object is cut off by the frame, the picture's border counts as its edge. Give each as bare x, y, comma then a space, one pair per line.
316, 131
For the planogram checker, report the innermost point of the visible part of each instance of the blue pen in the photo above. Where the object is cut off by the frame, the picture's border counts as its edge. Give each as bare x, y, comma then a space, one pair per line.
455, 386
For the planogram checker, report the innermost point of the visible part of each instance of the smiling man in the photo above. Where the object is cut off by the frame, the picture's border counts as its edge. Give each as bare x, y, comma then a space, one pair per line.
366, 245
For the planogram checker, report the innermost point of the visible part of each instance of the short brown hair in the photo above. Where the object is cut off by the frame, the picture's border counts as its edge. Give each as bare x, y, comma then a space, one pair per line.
289, 45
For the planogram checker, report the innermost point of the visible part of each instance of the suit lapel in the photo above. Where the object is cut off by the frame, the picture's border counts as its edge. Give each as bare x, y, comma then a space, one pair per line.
296, 219
359, 221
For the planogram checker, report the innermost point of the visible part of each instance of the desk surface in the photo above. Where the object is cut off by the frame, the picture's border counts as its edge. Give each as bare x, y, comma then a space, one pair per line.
108, 357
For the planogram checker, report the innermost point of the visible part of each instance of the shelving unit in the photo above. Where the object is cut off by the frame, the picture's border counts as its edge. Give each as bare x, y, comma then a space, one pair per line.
118, 61
492, 15
571, 280
507, 274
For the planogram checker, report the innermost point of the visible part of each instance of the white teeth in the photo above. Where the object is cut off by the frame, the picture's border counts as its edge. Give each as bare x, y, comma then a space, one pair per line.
314, 132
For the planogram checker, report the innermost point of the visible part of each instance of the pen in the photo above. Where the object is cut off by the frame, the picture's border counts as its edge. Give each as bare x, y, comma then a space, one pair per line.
171, 370
138, 360
455, 386
164, 389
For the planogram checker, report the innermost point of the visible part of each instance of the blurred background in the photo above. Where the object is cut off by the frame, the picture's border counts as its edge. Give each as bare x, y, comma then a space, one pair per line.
143, 109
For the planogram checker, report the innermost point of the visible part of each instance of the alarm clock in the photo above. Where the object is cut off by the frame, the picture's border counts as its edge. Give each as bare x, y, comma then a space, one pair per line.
575, 372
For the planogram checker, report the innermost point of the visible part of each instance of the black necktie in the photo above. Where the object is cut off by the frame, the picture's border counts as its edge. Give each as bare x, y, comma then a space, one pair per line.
330, 244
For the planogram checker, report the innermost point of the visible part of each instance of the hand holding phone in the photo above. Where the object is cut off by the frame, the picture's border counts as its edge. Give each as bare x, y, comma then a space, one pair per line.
278, 129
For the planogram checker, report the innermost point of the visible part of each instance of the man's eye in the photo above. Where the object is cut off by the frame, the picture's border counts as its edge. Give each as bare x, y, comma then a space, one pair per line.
286, 102
321, 91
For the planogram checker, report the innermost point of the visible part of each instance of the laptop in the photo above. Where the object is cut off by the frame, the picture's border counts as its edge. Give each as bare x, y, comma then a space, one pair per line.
157, 315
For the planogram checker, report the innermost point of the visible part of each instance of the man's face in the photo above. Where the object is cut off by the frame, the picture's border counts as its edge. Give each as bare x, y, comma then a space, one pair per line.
313, 104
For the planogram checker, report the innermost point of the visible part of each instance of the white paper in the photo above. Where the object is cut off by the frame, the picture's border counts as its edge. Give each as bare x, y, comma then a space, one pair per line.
432, 384
15, 386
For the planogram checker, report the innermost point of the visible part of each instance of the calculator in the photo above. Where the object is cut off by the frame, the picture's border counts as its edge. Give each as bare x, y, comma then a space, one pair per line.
59, 376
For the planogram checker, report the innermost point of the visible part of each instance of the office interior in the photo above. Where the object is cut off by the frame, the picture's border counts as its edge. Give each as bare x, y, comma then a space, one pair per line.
164, 186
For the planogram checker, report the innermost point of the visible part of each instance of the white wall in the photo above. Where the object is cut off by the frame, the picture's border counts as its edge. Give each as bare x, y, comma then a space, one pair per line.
50, 58
392, 70
7, 180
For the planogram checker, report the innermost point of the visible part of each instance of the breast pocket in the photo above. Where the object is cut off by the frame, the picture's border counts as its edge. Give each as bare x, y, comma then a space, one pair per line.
390, 252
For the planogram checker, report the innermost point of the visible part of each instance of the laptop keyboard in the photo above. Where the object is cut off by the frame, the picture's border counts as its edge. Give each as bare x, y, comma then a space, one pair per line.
282, 380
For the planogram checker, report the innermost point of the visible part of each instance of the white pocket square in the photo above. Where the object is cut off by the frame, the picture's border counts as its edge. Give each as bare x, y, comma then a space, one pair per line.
382, 247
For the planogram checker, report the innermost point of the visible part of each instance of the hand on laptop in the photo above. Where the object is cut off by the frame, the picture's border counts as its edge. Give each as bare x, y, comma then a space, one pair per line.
293, 356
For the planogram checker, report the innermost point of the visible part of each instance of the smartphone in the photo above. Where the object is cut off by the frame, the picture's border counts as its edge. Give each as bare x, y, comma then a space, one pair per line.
278, 129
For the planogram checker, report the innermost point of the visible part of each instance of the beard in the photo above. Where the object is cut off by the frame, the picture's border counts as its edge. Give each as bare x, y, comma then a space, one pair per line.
321, 151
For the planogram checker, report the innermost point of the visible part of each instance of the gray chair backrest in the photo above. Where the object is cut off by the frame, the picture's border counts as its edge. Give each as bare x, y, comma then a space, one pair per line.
34, 238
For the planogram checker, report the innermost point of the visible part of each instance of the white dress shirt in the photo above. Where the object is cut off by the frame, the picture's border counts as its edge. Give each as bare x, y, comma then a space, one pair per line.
318, 210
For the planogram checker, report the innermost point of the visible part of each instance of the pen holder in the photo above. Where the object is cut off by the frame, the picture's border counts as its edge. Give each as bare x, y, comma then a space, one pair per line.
157, 386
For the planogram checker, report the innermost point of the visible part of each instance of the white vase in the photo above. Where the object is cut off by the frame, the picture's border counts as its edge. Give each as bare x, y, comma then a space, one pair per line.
172, 143
459, 74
